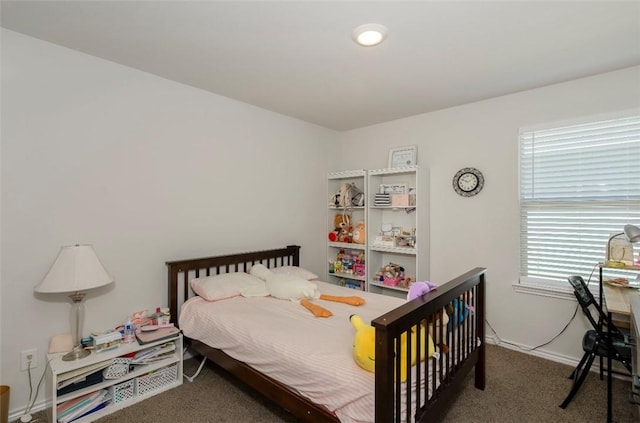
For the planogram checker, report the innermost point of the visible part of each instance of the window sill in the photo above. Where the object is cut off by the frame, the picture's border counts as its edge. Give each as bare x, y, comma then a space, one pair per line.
544, 290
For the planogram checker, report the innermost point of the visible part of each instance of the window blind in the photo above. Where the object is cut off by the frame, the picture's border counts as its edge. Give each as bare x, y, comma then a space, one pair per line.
579, 184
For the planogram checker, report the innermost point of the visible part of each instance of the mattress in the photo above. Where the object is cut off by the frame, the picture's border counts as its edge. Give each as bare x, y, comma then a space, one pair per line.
282, 339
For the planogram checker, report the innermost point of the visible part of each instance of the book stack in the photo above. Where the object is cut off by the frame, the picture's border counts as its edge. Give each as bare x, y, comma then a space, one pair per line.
165, 332
73, 409
81, 378
382, 200
151, 355
106, 340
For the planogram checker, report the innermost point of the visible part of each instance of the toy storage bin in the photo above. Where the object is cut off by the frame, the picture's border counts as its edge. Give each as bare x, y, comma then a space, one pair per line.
122, 391
156, 380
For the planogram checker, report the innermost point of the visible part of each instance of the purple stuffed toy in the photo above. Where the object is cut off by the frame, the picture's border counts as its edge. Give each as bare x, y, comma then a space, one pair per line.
418, 289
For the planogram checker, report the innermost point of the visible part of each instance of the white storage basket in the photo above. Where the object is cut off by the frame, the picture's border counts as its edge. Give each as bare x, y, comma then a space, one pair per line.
122, 391
119, 367
156, 380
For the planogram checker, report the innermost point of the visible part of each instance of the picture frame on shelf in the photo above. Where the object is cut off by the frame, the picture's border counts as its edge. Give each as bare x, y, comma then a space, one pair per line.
403, 156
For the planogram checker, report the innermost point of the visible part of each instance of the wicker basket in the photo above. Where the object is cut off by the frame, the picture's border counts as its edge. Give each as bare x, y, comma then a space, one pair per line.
122, 391
156, 380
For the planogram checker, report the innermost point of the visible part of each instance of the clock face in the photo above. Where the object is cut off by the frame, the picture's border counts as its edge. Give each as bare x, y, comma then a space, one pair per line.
468, 182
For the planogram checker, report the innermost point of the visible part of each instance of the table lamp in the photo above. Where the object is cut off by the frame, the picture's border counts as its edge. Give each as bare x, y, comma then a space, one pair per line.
633, 235
76, 269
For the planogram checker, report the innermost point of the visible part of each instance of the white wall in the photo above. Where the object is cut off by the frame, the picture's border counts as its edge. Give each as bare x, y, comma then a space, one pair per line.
145, 169
484, 230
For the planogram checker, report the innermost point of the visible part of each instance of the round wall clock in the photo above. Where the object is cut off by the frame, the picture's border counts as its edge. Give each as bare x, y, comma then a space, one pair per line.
468, 181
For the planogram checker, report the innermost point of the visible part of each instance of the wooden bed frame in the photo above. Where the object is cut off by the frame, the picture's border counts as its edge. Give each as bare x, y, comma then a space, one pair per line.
466, 342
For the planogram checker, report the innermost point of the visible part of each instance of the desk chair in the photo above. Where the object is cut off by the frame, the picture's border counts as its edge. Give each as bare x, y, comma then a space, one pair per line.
604, 340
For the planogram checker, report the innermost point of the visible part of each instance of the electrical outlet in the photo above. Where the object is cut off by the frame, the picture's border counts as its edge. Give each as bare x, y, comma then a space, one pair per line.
26, 356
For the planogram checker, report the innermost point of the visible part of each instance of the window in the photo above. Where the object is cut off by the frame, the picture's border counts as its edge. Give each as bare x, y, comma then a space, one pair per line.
579, 184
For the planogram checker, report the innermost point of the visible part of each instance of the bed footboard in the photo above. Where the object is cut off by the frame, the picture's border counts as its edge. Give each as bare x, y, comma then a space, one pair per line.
434, 381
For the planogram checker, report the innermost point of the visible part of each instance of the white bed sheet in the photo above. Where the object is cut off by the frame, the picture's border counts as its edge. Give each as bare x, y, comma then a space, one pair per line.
311, 355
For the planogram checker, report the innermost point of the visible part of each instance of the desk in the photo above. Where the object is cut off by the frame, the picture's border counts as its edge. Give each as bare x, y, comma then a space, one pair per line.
617, 301
635, 358
631, 271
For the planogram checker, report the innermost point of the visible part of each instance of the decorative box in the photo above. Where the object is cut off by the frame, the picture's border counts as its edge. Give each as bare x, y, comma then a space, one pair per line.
403, 200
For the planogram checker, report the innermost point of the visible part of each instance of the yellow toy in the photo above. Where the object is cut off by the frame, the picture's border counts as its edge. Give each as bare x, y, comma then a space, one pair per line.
364, 346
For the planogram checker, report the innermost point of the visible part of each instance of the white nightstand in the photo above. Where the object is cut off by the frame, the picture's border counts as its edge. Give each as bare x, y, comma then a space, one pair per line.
141, 383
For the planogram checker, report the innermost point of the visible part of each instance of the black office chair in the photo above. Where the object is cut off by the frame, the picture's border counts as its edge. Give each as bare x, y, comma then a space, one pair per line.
604, 340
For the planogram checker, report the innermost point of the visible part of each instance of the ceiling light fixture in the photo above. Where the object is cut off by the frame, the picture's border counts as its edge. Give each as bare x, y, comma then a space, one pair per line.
369, 35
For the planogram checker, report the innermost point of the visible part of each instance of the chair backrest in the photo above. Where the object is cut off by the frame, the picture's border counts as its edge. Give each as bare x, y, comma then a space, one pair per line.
587, 301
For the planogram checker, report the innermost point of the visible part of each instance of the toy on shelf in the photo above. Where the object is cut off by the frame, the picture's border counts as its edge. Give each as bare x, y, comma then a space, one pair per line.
351, 263
348, 195
351, 284
393, 275
359, 233
343, 231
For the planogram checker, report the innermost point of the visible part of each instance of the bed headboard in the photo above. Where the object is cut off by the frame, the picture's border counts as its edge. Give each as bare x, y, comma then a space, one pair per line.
180, 272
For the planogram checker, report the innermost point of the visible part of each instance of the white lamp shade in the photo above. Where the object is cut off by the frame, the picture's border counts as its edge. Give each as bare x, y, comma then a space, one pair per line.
632, 232
77, 268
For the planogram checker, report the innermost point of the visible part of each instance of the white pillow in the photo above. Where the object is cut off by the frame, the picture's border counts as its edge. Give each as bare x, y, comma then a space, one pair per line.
285, 286
227, 285
296, 271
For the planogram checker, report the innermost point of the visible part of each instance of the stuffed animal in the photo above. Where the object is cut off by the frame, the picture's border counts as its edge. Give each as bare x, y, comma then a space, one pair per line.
358, 233
418, 289
342, 231
364, 343
364, 346
290, 287
458, 310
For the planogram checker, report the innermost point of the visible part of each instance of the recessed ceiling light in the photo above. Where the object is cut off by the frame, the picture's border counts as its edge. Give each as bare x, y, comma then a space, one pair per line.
369, 34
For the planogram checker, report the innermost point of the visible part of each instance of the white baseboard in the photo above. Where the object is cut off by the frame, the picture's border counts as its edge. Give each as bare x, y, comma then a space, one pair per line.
38, 406
547, 355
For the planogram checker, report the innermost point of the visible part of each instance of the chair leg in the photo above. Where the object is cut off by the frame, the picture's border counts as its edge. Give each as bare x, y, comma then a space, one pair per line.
579, 366
580, 376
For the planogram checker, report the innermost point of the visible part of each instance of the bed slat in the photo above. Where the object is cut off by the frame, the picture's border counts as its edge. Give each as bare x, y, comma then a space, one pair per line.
466, 350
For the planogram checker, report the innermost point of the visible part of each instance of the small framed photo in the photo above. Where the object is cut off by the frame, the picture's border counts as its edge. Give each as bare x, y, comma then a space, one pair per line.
403, 156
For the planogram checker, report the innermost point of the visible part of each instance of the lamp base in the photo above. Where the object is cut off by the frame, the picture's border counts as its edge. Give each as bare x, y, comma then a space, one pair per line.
76, 354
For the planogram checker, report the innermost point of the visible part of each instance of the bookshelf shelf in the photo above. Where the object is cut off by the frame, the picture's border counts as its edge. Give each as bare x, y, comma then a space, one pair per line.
169, 363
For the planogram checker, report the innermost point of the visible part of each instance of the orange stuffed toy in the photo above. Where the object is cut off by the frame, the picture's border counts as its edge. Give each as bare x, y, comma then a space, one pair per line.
289, 287
358, 233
